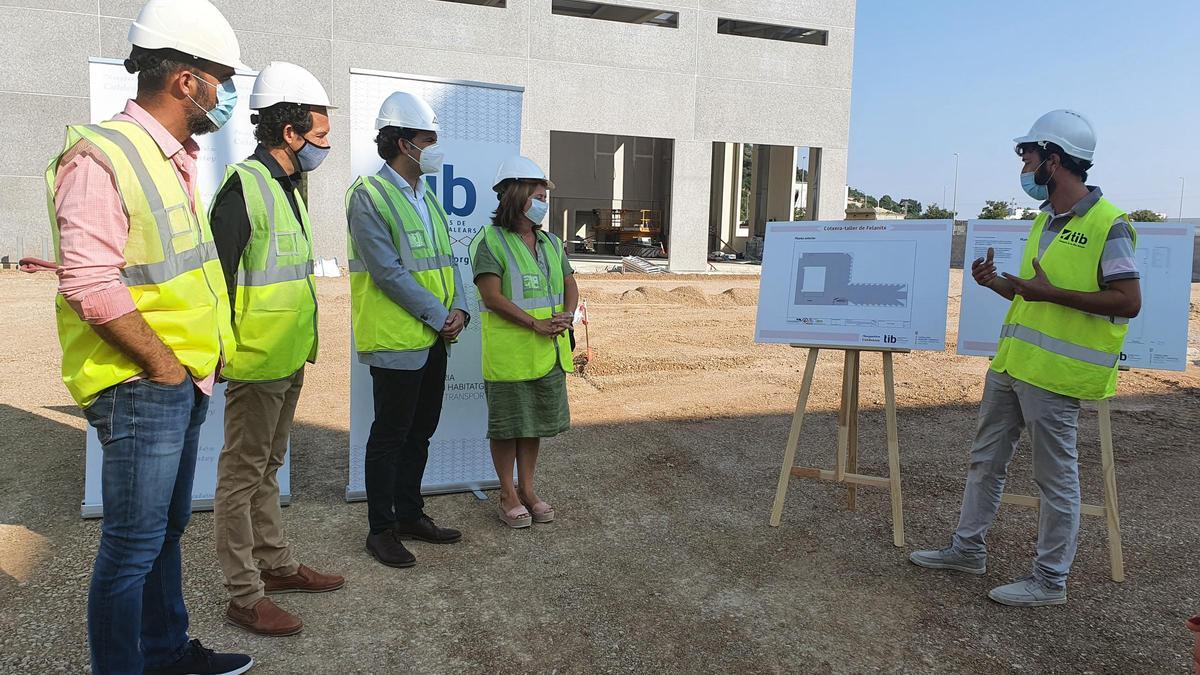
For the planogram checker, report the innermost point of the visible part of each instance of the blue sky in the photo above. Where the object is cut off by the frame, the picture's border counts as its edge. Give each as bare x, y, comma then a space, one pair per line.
935, 77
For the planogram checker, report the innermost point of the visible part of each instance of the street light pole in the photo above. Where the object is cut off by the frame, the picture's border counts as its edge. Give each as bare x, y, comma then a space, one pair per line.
954, 208
1181, 185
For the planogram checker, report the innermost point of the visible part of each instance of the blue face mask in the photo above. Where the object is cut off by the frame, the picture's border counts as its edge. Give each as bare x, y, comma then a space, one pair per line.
1032, 188
537, 211
226, 102
310, 156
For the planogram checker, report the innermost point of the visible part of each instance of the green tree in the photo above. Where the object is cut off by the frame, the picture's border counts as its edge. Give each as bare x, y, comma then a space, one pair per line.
886, 202
911, 208
863, 198
995, 210
935, 212
1029, 214
1145, 216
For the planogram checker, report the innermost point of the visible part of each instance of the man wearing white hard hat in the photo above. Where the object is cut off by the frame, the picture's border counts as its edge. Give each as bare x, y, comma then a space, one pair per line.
143, 320
1060, 343
407, 304
264, 240
528, 291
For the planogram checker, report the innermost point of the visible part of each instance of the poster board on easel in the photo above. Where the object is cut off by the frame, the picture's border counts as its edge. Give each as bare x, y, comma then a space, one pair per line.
1157, 337
854, 286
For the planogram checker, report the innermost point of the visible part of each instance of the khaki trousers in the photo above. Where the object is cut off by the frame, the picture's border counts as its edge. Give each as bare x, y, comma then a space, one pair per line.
249, 524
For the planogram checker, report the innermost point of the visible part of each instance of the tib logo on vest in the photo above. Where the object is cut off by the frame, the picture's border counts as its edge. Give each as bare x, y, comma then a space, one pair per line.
1073, 237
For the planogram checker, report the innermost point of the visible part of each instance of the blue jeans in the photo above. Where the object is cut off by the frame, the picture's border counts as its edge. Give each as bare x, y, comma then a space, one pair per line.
149, 432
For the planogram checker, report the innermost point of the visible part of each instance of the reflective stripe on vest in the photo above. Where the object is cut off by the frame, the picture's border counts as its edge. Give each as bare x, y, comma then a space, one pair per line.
1060, 347
1054, 347
381, 325
274, 273
411, 262
172, 272
517, 290
173, 263
275, 318
512, 352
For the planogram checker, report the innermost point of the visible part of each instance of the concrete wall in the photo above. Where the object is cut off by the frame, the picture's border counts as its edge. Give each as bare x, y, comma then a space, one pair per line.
690, 84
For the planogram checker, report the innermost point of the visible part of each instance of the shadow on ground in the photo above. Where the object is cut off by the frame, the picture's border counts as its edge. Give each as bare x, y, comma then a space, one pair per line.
662, 560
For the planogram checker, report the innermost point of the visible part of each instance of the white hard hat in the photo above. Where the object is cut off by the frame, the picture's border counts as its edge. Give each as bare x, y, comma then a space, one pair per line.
520, 167
1065, 128
282, 82
193, 27
407, 111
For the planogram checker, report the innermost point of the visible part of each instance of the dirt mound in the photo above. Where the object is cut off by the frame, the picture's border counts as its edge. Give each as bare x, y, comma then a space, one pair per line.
689, 296
685, 296
736, 297
598, 298
646, 295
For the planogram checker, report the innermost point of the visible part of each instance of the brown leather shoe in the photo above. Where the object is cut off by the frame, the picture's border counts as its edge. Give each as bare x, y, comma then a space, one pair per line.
264, 618
305, 580
389, 550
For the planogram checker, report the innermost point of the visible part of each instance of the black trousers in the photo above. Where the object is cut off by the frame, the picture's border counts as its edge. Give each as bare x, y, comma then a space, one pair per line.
408, 405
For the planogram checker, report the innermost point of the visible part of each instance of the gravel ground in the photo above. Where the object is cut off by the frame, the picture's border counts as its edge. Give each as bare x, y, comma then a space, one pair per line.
662, 559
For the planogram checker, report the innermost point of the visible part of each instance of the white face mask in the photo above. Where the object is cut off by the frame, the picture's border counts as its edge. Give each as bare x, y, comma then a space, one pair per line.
431, 158
537, 212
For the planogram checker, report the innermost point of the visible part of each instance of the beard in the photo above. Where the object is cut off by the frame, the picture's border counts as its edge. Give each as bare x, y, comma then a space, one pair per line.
198, 123
1044, 177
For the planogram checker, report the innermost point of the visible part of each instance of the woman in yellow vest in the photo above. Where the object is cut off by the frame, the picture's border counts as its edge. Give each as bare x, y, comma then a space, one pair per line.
527, 296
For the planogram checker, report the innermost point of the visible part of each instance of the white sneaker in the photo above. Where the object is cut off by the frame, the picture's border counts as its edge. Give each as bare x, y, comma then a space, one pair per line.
948, 559
1028, 592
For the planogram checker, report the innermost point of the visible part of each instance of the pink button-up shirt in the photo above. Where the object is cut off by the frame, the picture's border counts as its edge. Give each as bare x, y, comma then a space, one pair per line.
93, 226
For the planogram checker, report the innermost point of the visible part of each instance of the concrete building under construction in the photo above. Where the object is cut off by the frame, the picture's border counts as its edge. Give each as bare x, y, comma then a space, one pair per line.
677, 125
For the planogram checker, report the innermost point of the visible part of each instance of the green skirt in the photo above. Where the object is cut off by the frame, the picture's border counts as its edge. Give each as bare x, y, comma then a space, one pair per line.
532, 409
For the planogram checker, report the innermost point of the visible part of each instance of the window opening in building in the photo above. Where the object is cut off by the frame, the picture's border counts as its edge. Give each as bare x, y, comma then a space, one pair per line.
612, 194
766, 31
753, 185
585, 9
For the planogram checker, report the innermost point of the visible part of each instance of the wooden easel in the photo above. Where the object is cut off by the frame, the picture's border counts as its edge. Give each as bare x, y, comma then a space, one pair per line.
1109, 510
846, 460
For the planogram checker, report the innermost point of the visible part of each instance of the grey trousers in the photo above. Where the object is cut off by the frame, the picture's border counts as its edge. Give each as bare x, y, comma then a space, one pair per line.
1010, 405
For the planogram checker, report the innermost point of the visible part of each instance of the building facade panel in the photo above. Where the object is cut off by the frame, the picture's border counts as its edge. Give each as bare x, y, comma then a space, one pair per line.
807, 13
449, 26
46, 52
689, 86
759, 60
44, 139
610, 43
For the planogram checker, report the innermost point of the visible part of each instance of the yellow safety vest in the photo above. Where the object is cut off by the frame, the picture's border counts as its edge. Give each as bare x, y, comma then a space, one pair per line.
1064, 350
171, 266
513, 353
275, 312
381, 325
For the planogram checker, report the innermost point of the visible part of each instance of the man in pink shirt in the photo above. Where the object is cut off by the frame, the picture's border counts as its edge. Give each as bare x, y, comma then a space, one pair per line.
143, 319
